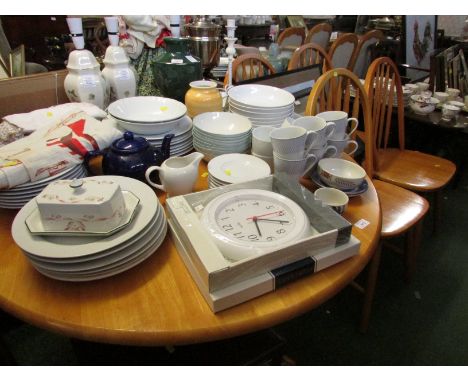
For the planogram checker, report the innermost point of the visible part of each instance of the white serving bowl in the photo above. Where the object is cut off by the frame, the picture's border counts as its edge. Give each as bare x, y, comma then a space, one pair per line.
261, 96
147, 109
421, 105
222, 123
441, 96
458, 104
340, 173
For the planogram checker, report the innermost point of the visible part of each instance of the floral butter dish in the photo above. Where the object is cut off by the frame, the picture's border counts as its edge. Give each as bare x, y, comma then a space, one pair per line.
36, 226
85, 205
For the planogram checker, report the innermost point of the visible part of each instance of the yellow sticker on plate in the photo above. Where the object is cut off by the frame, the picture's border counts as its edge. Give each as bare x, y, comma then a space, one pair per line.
204, 175
163, 108
227, 172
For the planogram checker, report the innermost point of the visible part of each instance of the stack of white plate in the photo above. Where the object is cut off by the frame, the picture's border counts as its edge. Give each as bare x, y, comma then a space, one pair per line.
86, 258
181, 143
18, 196
263, 105
147, 115
218, 133
235, 168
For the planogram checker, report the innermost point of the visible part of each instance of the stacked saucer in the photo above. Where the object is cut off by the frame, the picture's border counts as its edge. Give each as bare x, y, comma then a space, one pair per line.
264, 105
181, 143
86, 258
218, 133
17, 197
235, 168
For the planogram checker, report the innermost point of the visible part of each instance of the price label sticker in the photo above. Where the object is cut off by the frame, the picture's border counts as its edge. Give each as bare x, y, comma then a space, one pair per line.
177, 61
88, 81
191, 59
362, 223
123, 74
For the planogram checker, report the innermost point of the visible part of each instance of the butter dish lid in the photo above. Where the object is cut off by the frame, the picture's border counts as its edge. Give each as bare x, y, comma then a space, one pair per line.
78, 192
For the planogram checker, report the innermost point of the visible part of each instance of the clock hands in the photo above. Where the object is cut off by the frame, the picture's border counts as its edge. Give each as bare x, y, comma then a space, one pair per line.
272, 220
254, 218
270, 213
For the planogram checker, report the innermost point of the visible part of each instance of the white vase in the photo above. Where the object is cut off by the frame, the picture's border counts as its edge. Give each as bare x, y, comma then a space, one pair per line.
84, 81
119, 74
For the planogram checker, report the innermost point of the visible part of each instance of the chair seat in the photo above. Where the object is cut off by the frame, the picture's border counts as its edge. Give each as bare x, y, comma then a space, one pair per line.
414, 170
401, 208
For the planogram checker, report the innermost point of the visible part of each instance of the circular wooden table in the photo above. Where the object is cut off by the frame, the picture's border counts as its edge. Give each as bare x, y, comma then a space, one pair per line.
157, 303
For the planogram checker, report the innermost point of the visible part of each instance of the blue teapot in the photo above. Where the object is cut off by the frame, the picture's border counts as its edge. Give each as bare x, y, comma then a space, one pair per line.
130, 156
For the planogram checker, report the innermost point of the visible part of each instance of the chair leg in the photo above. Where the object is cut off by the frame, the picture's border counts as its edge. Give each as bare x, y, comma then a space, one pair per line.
370, 289
413, 244
437, 207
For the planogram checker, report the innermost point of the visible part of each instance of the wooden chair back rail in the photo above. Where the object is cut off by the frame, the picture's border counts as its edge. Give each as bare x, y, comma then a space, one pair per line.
288, 32
310, 54
381, 74
332, 91
252, 65
347, 38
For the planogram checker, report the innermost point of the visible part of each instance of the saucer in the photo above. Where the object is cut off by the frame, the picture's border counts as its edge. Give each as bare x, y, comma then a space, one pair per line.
34, 222
315, 177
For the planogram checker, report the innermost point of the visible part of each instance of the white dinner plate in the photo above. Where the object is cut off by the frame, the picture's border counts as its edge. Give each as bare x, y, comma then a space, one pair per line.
236, 168
147, 109
183, 127
69, 247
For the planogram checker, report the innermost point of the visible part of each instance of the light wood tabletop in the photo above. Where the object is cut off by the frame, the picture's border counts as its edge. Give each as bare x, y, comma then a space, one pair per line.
157, 303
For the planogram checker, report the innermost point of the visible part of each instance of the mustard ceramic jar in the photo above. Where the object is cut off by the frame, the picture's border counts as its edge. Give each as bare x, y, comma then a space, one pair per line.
203, 97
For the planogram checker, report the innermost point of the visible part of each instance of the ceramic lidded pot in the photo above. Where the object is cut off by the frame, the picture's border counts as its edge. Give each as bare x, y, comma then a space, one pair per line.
203, 97
175, 69
84, 81
119, 74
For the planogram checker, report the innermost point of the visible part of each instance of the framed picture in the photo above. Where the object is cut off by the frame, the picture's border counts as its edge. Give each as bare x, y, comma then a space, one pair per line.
296, 21
17, 62
420, 37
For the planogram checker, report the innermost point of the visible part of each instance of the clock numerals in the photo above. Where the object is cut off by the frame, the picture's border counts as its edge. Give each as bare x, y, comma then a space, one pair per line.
226, 217
255, 204
227, 210
280, 231
271, 238
269, 207
241, 204
228, 227
253, 237
239, 235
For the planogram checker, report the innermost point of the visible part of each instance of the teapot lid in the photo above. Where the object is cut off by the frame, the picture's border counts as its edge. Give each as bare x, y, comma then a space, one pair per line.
129, 144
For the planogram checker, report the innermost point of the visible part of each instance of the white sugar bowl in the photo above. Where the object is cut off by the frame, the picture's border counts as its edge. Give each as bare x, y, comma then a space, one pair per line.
81, 205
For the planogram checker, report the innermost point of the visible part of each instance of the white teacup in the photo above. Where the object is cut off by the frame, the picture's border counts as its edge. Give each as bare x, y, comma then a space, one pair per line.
449, 111
341, 120
294, 167
324, 151
320, 130
453, 93
332, 197
261, 141
413, 87
290, 142
347, 145
422, 86
441, 96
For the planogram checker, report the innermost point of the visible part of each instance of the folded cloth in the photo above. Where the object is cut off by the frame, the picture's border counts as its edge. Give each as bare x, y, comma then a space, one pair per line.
54, 148
36, 119
143, 30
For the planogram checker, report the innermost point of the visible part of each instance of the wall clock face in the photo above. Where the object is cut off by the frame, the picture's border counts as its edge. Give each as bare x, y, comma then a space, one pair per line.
246, 223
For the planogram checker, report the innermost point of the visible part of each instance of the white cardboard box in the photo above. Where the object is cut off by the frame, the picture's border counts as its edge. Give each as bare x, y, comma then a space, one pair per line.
213, 272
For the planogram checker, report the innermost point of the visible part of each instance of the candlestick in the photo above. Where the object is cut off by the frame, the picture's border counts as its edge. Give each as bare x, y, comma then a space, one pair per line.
230, 50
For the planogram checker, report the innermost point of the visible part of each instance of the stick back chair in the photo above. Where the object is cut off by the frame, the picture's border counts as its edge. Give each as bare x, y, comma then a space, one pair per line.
309, 54
363, 57
291, 38
320, 35
413, 170
247, 66
402, 210
343, 51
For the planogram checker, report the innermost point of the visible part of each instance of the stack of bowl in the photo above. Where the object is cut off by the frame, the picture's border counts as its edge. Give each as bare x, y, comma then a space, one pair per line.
263, 105
218, 133
154, 117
